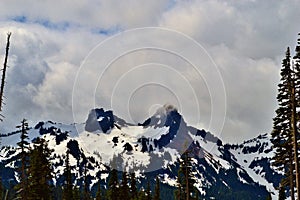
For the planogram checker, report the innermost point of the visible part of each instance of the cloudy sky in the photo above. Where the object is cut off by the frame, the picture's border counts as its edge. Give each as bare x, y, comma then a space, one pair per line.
217, 61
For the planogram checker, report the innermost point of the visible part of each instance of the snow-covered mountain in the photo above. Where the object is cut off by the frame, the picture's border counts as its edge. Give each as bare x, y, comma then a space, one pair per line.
152, 148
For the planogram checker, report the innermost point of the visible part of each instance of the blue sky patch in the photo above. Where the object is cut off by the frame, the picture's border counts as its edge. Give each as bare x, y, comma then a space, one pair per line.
62, 26
109, 31
21, 19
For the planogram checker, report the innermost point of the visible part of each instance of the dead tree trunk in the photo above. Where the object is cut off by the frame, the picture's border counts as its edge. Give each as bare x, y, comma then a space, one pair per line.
4, 72
295, 142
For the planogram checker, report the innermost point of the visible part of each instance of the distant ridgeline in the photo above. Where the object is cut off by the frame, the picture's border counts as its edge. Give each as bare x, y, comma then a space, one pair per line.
152, 149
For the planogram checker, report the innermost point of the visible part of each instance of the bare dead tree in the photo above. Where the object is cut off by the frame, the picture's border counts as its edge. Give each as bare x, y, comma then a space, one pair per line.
4, 74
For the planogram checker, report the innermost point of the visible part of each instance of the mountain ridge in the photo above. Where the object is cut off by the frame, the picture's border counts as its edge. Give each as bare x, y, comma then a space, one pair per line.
153, 148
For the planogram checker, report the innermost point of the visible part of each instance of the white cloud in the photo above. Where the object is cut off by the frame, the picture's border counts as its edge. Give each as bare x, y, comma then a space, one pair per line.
91, 14
251, 87
254, 28
246, 39
211, 22
43, 64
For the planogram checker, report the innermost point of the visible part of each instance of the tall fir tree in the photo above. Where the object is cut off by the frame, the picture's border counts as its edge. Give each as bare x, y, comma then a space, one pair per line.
197, 195
86, 190
295, 135
297, 76
68, 185
157, 189
40, 171
22, 186
281, 195
297, 80
297, 70
133, 187
282, 137
185, 182
269, 197
142, 195
113, 186
297, 99
179, 192
99, 193
124, 188
1, 188
76, 193
148, 191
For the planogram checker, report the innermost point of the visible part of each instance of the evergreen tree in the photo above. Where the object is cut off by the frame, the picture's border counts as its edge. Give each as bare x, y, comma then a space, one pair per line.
86, 194
148, 191
113, 185
133, 187
68, 186
297, 73
297, 110
57, 192
157, 190
282, 137
22, 186
179, 192
124, 188
185, 182
1, 188
297, 78
269, 197
281, 193
76, 193
99, 193
142, 195
40, 171
295, 135
197, 195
